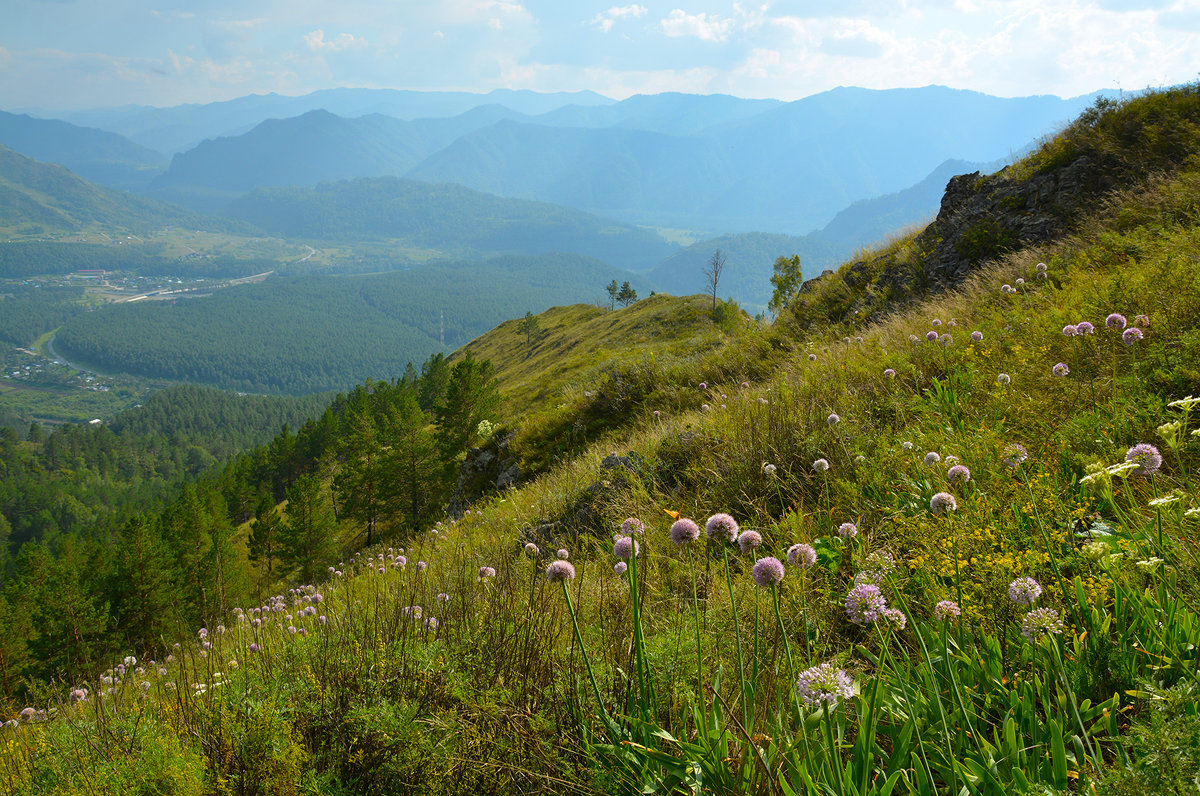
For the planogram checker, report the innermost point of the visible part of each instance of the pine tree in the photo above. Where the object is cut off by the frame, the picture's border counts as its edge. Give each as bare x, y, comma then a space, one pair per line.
363, 482
472, 395
142, 591
264, 535
787, 280
627, 295
307, 536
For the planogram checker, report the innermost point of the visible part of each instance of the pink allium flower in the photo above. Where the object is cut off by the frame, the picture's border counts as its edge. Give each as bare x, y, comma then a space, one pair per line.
812, 357
684, 531
958, 474
1085, 327
532, 550
802, 555
1040, 622
1131, 335
1141, 320
560, 570
945, 339
1024, 591
936, 322
562, 554
1115, 321
824, 684
749, 540
942, 502
1147, 457
1014, 454
620, 567
865, 604
820, 465
721, 526
767, 571
1041, 266
889, 373
932, 458
976, 336
847, 530
946, 609
487, 572
1003, 378
632, 525
625, 547
931, 336
1061, 369
1071, 330
703, 385
833, 419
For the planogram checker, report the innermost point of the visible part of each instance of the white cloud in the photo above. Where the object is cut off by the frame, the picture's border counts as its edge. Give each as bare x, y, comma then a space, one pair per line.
606, 19
701, 26
315, 41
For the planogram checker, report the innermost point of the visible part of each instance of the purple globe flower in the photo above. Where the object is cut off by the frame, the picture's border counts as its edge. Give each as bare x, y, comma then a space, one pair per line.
976, 336
1024, 591
684, 531
932, 458
620, 567
1014, 454
625, 547
812, 357
1061, 369
767, 571
562, 554
1131, 335
824, 684
749, 540
560, 570
912, 338
946, 339
895, 617
935, 322
703, 385
1040, 622
768, 469
487, 572
1003, 378
889, 373
1007, 289
721, 527
821, 465
931, 336
632, 525
942, 502
1141, 320
865, 604
1071, 330
1115, 321
1147, 457
833, 419
1041, 266
1085, 327
1040, 275
802, 555
946, 609
531, 550
847, 530
958, 474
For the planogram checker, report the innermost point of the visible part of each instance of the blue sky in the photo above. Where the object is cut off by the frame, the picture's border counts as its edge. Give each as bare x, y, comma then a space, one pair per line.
68, 54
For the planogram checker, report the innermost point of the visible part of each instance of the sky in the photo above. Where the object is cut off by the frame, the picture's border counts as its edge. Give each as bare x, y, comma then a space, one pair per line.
74, 54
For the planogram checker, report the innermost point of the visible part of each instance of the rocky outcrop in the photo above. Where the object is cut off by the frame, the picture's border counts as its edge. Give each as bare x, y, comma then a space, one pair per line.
486, 469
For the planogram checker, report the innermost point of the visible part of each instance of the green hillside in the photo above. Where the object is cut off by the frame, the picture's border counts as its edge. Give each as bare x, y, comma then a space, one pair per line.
42, 198
951, 543
449, 218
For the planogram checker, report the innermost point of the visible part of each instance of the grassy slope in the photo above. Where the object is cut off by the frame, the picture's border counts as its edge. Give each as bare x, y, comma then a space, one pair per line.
376, 702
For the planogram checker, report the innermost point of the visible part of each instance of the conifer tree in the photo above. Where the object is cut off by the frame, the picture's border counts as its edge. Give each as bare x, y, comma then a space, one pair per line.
264, 534
363, 481
472, 395
142, 591
307, 536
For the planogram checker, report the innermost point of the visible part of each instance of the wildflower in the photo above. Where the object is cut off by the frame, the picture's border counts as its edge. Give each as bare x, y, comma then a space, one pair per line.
562, 554
1131, 335
1061, 369
1085, 327
935, 322
79, 695
721, 526
1041, 267
946, 609
1141, 320
976, 336
1007, 289
812, 357
28, 714
560, 570
767, 571
1014, 454
620, 567
802, 555
958, 474
1070, 330
942, 502
745, 385
833, 419
881, 562
1024, 591
1003, 378
1165, 500
704, 407
1039, 622
1094, 550
912, 338
945, 340
1185, 404
625, 547
1115, 321
906, 445
858, 339
323, 619
657, 413
632, 525
865, 604
1040, 275
931, 336
531, 550
1150, 565
932, 458
431, 624
824, 684
1146, 457
421, 566
889, 373
749, 540
820, 465
703, 385
1020, 280
847, 530
487, 572
414, 611
768, 469
895, 617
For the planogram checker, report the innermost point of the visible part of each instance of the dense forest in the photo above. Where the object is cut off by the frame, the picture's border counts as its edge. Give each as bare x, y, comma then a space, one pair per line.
116, 537
21, 259
30, 311
319, 333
